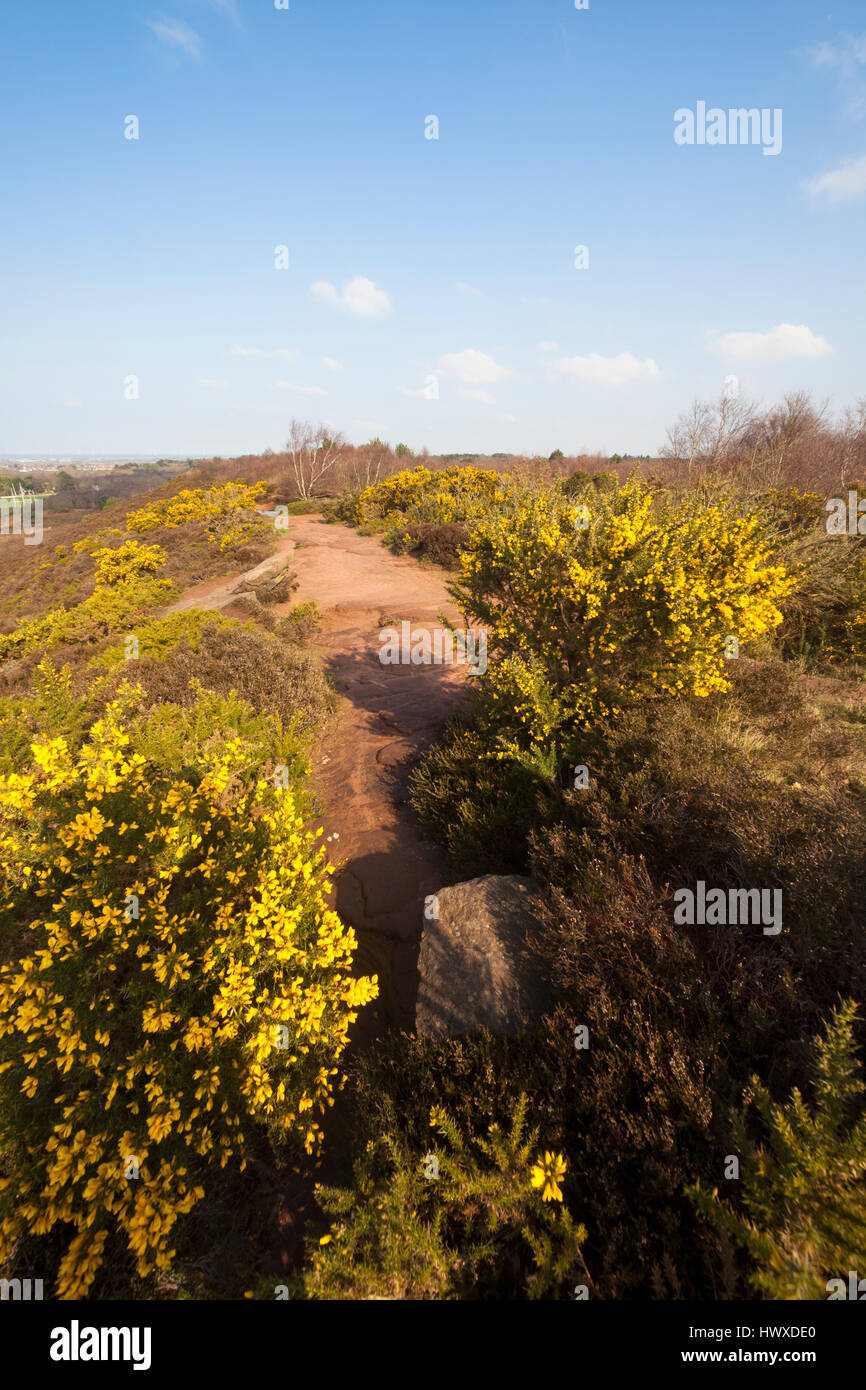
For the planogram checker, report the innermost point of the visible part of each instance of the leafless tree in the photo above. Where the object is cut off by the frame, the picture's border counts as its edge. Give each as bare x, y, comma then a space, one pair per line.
368, 465
312, 451
709, 435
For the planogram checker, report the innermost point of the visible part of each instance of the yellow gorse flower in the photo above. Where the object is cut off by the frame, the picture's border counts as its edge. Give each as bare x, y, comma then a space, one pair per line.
547, 1173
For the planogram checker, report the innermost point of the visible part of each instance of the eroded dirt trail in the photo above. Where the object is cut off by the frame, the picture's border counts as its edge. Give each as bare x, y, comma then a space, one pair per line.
389, 714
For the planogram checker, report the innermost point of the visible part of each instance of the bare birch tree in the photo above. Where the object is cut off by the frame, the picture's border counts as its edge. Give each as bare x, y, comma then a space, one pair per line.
312, 450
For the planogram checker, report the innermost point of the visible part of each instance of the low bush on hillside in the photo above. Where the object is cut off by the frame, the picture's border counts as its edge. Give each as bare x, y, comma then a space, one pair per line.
592, 607
301, 623
125, 588
803, 1217
228, 513
456, 494
221, 655
759, 786
171, 979
453, 1219
439, 542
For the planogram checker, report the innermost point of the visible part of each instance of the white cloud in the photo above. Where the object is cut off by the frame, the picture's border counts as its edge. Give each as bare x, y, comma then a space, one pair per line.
849, 59
472, 366
848, 181
547, 345
289, 353
358, 296
786, 343
469, 393
332, 364
608, 371
215, 385
408, 391
177, 34
72, 401
469, 289
509, 419
226, 7
299, 390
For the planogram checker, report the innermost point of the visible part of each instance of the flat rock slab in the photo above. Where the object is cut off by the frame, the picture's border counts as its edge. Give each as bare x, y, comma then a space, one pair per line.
473, 965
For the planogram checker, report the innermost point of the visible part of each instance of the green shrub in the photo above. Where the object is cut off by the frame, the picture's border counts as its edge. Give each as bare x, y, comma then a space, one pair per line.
439, 542
457, 1221
803, 1219
273, 677
301, 623
481, 812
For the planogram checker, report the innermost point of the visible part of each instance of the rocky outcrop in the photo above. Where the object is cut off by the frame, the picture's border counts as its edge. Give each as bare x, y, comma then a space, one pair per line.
273, 581
473, 965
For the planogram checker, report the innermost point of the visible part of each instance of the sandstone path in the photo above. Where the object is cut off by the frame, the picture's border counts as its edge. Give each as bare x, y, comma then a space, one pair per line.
387, 716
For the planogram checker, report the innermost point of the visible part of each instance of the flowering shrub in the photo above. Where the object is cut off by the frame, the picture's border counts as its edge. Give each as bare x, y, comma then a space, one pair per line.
228, 512
125, 589
178, 978
592, 605
790, 510
459, 1221
126, 563
418, 494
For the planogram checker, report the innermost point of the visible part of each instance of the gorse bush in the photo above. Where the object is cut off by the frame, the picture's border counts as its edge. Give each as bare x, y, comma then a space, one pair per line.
804, 1193
173, 980
825, 618
456, 494
227, 511
589, 608
126, 563
301, 623
125, 588
462, 1220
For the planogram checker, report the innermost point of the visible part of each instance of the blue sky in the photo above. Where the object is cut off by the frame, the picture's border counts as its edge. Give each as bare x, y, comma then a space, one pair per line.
431, 294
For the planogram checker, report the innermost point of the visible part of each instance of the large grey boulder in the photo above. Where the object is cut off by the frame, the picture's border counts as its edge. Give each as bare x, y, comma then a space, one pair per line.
273, 581
474, 969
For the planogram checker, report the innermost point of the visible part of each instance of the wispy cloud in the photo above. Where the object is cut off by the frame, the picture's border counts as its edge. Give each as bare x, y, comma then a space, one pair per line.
547, 345
229, 8
474, 293
472, 366
358, 296
332, 364
788, 342
298, 390
838, 185
608, 371
848, 59
289, 353
213, 385
176, 33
